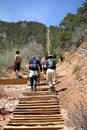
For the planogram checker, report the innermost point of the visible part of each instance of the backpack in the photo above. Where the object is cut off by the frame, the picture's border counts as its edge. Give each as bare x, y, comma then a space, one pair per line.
33, 65
51, 64
44, 65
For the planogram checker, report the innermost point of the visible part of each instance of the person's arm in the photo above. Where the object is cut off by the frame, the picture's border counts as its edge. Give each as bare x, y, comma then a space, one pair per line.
20, 60
47, 63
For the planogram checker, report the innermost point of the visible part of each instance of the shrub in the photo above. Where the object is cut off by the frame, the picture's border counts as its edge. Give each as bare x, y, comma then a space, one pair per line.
77, 117
76, 68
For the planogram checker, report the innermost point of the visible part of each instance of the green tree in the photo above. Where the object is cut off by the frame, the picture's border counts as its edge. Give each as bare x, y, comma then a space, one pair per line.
82, 11
71, 21
63, 37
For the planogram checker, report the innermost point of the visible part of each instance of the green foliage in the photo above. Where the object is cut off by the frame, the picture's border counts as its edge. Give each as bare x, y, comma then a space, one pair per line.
27, 37
63, 38
22, 33
79, 35
53, 39
76, 68
60, 38
82, 11
71, 21
70, 33
6, 60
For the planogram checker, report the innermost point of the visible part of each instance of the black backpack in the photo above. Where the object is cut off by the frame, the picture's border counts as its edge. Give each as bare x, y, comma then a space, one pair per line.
51, 64
33, 65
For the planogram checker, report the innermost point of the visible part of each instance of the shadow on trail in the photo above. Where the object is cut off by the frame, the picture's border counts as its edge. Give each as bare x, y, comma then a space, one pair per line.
63, 89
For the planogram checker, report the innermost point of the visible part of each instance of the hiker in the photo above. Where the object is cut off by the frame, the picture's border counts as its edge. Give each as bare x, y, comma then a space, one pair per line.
34, 66
51, 72
44, 66
17, 63
39, 69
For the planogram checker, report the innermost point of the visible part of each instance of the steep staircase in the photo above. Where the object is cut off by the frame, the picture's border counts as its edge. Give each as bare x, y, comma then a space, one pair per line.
37, 111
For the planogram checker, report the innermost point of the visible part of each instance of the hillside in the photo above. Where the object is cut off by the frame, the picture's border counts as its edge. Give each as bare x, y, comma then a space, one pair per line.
71, 87
72, 76
27, 37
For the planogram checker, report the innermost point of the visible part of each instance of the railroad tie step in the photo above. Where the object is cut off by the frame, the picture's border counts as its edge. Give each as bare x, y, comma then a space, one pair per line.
37, 111
56, 127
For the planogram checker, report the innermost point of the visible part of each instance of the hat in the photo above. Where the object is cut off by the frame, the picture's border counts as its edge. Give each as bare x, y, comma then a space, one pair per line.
49, 57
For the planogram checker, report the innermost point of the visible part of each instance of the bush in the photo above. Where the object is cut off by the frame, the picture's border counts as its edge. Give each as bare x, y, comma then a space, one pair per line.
78, 115
77, 68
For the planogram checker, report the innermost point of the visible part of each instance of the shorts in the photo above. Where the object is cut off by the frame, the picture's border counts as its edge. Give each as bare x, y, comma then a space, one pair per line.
17, 66
50, 75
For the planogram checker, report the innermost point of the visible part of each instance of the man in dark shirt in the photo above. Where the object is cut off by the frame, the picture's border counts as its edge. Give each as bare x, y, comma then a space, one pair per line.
34, 72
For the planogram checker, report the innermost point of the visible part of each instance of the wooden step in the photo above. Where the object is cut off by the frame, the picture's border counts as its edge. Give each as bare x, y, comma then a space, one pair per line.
37, 111
40, 84
42, 108
13, 81
37, 107
40, 117
50, 127
37, 102
39, 98
37, 123
29, 93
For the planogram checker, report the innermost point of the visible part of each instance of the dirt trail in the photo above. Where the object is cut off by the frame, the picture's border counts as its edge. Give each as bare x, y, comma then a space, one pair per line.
48, 40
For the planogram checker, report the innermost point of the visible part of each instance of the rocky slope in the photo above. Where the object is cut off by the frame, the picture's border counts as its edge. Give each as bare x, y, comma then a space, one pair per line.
72, 87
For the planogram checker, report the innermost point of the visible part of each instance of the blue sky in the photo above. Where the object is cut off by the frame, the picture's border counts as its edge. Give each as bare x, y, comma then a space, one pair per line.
48, 12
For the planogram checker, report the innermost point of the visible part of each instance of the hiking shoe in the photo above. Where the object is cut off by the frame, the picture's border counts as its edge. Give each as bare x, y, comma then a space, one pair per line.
35, 89
31, 90
52, 89
18, 76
